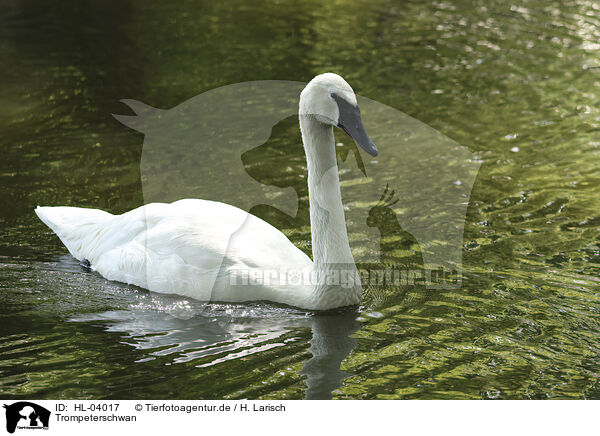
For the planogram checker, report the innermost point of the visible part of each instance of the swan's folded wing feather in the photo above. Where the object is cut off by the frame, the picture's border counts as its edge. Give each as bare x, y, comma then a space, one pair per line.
188, 248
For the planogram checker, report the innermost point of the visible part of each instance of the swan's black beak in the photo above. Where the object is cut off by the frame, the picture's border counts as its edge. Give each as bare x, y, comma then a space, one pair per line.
351, 123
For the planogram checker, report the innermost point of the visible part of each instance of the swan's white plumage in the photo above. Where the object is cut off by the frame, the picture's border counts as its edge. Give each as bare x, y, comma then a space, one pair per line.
187, 247
193, 247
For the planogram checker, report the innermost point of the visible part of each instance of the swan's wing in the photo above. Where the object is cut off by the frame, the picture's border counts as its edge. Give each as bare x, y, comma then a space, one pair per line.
183, 247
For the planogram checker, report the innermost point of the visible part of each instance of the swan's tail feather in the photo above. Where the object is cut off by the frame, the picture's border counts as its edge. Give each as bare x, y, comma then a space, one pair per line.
76, 227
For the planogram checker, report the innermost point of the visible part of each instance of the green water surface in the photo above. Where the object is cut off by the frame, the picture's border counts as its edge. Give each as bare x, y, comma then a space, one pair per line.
517, 83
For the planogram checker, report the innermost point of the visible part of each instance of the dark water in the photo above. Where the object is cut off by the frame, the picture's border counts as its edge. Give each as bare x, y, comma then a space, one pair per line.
517, 84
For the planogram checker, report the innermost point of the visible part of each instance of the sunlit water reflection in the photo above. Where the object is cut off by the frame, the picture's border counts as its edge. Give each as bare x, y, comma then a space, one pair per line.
517, 84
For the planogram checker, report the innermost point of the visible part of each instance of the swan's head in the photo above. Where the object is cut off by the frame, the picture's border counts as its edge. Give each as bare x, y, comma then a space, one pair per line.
331, 101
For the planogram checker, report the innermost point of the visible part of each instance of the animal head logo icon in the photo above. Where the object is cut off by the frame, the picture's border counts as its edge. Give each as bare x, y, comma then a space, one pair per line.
25, 414
204, 147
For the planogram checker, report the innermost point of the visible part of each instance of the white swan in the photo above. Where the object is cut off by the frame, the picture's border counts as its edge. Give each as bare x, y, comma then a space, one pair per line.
213, 251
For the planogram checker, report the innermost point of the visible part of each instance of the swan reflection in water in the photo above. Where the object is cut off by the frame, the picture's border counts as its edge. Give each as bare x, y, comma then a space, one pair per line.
179, 330
218, 333
331, 343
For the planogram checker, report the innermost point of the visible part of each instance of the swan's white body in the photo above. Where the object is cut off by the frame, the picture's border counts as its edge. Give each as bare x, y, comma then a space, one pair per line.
213, 251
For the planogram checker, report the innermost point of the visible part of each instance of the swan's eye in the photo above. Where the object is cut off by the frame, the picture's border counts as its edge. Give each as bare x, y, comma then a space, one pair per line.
333, 95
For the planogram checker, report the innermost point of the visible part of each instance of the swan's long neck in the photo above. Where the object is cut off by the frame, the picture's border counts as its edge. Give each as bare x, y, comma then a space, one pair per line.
330, 247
